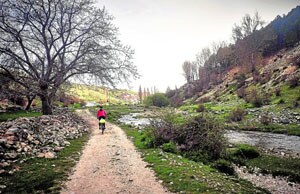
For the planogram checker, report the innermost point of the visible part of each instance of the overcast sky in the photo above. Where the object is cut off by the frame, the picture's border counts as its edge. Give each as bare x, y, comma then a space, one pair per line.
165, 33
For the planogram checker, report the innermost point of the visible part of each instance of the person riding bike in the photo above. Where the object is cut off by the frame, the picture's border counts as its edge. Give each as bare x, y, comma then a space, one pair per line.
101, 114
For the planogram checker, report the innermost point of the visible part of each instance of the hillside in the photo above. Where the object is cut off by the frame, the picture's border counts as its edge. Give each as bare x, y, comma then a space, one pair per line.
253, 84
102, 94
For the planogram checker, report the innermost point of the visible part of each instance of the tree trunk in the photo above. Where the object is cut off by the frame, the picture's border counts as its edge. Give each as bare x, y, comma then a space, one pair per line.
29, 101
46, 104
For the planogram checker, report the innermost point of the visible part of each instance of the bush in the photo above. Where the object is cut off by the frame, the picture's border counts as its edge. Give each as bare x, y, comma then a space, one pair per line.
237, 115
246, 151
76, 105
277, 92
201, 135
295, 104
294, 81
241, 92
281, 101
169, 147
266, 119
258, 99
200, 108
224, 166
159, 100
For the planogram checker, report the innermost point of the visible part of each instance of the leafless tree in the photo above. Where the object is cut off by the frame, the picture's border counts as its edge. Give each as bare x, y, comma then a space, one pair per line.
247, 26
187, 71
140, 94
50, 41
203, 56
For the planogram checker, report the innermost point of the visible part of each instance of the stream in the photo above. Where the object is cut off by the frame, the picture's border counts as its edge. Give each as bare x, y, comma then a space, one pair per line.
275, 143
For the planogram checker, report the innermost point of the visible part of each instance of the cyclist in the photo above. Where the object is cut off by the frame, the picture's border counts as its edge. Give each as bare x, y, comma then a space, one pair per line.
101, 114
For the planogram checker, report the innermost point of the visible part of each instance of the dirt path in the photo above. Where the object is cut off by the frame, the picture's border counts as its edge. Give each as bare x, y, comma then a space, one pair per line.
110, 164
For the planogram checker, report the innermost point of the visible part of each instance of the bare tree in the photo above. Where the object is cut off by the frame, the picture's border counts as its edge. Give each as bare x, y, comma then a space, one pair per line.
215, 46
187, 71
50, 41
140, 94
203, 56
247, 26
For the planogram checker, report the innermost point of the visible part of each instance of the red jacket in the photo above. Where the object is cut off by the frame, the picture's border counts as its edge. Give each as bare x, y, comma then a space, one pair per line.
101, 113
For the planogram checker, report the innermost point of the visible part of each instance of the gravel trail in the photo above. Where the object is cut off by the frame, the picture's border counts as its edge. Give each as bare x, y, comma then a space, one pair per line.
110, 164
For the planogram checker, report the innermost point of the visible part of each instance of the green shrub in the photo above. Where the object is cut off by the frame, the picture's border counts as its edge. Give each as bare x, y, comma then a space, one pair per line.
224, 166
200, 108
258, 99
277, 91
246, 151
159, 100
237, 114
201, 135
76, 105
169, 147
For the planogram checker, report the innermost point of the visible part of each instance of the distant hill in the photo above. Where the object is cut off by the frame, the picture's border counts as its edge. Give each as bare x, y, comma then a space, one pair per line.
102, 94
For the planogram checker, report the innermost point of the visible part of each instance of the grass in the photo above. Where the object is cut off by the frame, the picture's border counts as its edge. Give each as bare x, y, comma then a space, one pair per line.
98, 94
13, 115
291, 129
189, 108
181, 174
287, 94
41, 175
250, 156
277, 166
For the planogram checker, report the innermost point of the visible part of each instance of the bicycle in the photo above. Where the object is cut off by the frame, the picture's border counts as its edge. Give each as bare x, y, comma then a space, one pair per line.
102, 125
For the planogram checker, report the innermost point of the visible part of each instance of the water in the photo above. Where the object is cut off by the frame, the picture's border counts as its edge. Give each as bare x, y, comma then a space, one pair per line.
275, 142
91, 104
132, 119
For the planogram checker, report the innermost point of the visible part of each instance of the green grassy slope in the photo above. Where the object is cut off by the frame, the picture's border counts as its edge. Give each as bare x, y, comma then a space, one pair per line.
102, 94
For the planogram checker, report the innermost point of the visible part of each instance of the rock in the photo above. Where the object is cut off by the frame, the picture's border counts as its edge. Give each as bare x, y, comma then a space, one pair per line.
285, 121
2, 186
11, 139
35, 136
3, 141
11, 155
58, 149
67, 143
49, 155
12, 130
41, 155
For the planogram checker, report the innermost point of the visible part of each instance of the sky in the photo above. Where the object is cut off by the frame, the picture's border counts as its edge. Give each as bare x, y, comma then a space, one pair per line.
165, 33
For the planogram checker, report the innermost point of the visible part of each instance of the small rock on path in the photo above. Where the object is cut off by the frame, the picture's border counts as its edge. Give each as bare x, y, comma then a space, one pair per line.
110, 164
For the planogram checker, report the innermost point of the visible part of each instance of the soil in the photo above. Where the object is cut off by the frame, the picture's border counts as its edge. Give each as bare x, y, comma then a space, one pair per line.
110, 164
